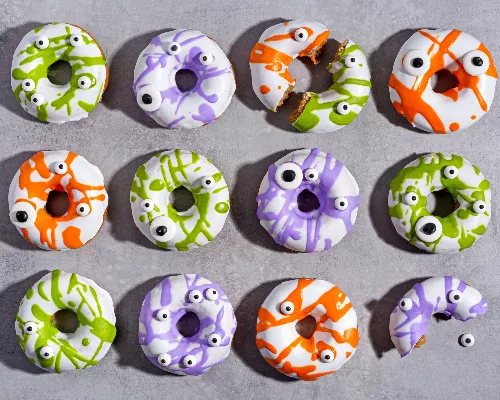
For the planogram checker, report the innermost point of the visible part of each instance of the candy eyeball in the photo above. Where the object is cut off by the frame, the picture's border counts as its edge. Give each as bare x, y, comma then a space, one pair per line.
162, 314
341, 203
214, 340
46, 352
411, 198
84, 82
147, 205
173, 48
23, 215
83, 209
206, 58
288, 176
343, 108
148, 98
405, 304
30, 328
42, 42
60, 168
162, 229
76, 40
211, 294
327, 356
467, 340
416, 62
311, 175
164, 359
450, 172
28, 85
287, 307
476, 63
479, 207
351, 61
208, 182
195, 296
300, 35
428, 229
189, 361
455, 296
37, 99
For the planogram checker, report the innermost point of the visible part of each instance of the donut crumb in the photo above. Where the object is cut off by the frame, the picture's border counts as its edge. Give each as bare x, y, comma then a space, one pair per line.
300, 109
420, 342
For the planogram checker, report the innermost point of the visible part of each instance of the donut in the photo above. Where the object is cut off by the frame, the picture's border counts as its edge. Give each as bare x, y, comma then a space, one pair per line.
56, 351
431, 173
60, 171
333, 342
159, 334
32, 81
316, 177
156, 90
271, 56
409, 321
341, 103
411, 85
155, 216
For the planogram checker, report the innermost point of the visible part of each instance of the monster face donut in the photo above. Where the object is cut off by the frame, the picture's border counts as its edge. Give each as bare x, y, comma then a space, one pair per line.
313, 177
155, 216
423, 55
341, 103
278, 46
156, 89
60, 171
409, 321
38, 90
431, 173
165, 306
56, 351
333, 342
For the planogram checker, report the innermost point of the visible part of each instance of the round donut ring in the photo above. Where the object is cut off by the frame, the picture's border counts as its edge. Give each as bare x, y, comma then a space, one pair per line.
409, 322
64, 171
423, 55
333, 342
431, 173
44, 46
162, 309
150, 200
56, 351
156, 89
313, 173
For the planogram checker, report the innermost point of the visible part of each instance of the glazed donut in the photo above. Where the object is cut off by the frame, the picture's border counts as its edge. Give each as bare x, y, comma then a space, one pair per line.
56, 351
31, 81
157, 92
316, 174
333, 342
150, 200
423, 55
431, 173
278, 46
162, 309
409, 321
341, 103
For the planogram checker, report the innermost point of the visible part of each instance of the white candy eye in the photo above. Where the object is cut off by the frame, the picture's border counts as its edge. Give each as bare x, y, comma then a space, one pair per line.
343, 108
83, 209
162, 314
479, 207
288, 176
162, 229
149, 99
28, 85
411, 198
405, 304
287, 307
428, 229
164, 359
23, 215
416, 62
30, 328
189, 361
211, 294
455, 296
147, 205
351, 61
467, 340
311, 175
60, 168
37, 99
450, 172
84, 82
46, 352
476, 63
327, 356
206, 58
214, 340
208, 182
76, 41
341, 203
300, 35
195, 296
42, 42
173, 48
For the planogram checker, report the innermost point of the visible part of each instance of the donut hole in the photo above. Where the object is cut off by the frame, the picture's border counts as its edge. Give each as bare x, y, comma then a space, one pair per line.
181, 199
66, 321
443, 80
57, 203
441, 203
59, 72
186, 80
188, 324
307, 201
306, 326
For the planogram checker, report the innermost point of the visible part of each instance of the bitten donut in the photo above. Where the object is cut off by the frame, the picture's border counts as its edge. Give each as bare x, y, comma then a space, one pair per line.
341, 103
61, 171
333, 342
150, 200
156, 89
315, 177
409, 321
56, 351
431, 173
162, 309
32, 81
423, 55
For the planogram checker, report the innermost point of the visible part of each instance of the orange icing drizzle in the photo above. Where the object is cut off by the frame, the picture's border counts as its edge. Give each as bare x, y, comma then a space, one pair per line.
289, 35
265, 89
71, 237
276, 60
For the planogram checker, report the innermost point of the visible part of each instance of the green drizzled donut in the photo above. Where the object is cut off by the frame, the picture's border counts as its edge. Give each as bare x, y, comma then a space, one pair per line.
433, 172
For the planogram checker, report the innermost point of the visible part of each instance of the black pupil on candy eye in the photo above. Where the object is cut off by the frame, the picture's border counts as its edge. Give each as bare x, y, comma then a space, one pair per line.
29, 328
456, 297
190, 362
35, 100
289, 175
165, 316
28, 84
146, 205
61, 166
481, 206
403, 304
467, 340
205, 58
345, 107
353, 59
214, 340
327, 357
477, 61
22, 216
40, 42
82, 83
82, 209
174, 48
75, 39
147, 99
196, 296
417, 62
46, 354
208, 182
414, 198
311, 176
342, 204
429, 228
161, 230
301, 35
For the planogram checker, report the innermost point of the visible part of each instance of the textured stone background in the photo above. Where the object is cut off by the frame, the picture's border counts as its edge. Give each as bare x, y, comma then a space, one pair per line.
373, 265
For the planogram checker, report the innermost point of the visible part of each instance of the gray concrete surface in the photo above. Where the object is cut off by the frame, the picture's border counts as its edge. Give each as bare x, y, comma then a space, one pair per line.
372, 264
